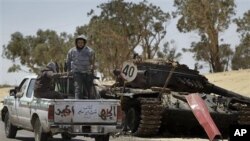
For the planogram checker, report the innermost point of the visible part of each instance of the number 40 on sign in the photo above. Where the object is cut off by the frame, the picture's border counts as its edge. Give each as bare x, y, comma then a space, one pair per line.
129, 71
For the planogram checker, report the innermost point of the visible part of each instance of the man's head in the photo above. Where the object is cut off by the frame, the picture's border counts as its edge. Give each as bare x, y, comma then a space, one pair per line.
80, 41
52, 66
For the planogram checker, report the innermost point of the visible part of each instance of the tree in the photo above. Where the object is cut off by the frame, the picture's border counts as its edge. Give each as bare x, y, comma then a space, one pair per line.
241, 59
243, 24
226, 55
168, 52
120, 28
208, 18
152, 26
36, 51
201, 53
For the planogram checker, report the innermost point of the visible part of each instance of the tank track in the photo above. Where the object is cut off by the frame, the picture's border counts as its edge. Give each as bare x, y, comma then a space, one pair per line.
150, 117
244, 116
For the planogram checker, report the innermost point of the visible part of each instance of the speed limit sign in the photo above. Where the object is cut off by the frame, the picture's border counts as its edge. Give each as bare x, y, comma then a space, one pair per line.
129, 71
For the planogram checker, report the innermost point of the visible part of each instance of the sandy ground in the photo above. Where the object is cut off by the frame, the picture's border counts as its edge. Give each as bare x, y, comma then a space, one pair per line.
237, 81
3, 92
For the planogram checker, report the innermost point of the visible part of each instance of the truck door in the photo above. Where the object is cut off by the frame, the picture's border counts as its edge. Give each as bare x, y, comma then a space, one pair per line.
20, 91
24, 111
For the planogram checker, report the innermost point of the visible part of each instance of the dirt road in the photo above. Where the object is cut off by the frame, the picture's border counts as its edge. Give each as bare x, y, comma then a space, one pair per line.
23, 135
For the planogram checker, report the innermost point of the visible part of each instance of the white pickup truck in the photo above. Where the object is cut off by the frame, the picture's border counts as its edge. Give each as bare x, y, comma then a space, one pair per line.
96, 118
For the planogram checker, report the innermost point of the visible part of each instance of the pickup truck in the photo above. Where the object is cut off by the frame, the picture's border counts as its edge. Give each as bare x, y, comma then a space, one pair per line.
97, 118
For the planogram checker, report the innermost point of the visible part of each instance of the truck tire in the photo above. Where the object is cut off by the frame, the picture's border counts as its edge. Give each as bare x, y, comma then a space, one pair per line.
10, 129
66, 136
38, 131
102, 138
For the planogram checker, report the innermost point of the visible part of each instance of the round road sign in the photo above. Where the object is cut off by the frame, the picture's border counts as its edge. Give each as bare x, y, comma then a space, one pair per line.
129, 71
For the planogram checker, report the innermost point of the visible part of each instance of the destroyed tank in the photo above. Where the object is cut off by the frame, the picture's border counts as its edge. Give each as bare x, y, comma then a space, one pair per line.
155, 99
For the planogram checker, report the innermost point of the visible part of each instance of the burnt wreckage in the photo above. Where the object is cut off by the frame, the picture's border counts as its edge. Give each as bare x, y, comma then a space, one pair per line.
162, 97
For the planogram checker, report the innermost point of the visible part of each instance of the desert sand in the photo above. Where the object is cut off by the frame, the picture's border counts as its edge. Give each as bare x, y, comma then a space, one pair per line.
236, 81
4, 92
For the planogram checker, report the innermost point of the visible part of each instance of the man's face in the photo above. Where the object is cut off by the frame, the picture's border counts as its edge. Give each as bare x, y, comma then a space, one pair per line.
80, 43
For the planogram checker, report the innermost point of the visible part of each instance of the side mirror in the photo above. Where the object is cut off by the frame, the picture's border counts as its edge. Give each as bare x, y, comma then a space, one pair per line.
12, 92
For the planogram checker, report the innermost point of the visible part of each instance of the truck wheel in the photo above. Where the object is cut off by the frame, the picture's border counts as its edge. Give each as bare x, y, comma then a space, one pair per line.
38, 130
10, 130
66, 136
102, 138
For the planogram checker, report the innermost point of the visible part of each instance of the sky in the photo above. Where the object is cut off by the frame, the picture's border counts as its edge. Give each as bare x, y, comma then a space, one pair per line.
27, 16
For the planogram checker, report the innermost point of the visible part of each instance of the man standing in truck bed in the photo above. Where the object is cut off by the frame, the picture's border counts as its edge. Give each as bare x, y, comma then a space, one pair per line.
80, 61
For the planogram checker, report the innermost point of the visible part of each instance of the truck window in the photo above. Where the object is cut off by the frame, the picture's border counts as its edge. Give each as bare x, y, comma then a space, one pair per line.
30, 88
22, 87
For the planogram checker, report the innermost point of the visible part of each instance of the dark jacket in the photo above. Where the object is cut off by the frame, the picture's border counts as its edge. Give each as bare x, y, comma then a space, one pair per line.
45, 81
